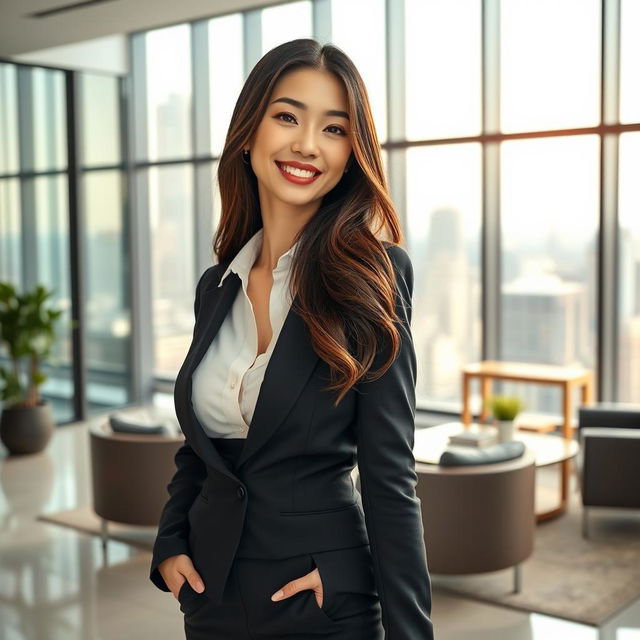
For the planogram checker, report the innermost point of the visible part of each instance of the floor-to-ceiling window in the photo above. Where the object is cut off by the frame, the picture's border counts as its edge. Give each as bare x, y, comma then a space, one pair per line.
48, 196
442, 108
107, 269
490, 115
34, 220
549, 186
628, 371
497, 149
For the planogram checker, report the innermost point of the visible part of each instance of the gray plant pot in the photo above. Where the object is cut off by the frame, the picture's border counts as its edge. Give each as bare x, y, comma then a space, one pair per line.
26, 429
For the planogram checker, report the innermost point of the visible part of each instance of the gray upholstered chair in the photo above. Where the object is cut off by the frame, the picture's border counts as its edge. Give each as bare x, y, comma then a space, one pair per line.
130, 474
610, 457
478, 518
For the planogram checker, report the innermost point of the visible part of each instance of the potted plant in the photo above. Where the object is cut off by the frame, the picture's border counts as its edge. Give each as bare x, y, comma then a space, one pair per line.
505, 409
27, 330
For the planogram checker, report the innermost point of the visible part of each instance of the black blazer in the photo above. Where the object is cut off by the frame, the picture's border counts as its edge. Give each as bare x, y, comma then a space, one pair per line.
293, 491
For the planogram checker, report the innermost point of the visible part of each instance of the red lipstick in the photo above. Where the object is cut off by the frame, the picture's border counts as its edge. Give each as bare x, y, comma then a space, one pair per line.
298, 165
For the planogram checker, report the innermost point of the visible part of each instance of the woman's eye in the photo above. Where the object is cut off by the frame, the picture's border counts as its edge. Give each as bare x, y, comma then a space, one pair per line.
339, 130
286, 115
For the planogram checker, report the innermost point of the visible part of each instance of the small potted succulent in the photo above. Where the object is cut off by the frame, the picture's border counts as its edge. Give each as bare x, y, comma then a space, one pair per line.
505, 409
27, 334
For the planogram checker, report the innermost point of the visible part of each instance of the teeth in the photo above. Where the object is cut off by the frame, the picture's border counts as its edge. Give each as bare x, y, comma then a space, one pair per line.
294, 171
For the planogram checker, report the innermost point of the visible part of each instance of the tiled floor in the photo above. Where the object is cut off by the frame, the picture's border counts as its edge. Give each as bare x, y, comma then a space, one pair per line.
53, 585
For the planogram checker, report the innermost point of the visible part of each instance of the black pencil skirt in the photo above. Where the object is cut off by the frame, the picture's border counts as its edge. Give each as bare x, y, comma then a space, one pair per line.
248, 613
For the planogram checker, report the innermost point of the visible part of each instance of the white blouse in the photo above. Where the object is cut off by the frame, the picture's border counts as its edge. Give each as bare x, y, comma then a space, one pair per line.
226, 383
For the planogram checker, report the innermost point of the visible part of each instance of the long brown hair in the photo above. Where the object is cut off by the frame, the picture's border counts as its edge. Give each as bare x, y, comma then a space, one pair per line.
341, 272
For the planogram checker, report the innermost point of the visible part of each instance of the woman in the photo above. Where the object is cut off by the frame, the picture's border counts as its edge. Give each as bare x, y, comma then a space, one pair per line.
264, 534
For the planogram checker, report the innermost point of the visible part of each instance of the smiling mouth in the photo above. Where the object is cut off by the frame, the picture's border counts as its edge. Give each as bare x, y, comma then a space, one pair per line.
295, 175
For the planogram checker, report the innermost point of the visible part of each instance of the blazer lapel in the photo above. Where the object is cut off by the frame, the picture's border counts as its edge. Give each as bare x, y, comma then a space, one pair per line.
215, 304
290, 365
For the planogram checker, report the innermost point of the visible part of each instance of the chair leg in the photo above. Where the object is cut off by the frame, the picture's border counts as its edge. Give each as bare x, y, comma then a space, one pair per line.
104, 536
577, 474
517, 578
585, 523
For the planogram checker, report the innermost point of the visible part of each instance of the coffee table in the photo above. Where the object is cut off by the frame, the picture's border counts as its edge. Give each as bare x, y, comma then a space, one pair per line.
429, 443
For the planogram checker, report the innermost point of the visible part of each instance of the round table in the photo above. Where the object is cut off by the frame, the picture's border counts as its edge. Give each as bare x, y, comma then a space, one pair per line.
430, 442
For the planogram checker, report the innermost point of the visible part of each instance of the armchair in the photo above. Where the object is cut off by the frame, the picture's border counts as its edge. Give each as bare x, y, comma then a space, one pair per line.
609, 436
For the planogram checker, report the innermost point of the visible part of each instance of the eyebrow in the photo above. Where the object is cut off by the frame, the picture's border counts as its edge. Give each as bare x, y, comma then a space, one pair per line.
303, 106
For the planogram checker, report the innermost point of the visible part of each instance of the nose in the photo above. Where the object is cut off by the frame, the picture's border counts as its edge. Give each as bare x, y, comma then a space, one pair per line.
305, 142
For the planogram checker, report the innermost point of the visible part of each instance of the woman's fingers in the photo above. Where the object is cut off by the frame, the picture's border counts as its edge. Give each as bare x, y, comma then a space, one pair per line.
195, 580
309, 581
176, 590
178, 569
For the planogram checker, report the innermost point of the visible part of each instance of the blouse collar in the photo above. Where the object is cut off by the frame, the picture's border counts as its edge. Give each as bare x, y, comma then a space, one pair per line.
246, 257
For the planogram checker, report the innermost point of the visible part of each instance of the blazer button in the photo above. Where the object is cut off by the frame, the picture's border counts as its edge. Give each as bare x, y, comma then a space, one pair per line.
240, 492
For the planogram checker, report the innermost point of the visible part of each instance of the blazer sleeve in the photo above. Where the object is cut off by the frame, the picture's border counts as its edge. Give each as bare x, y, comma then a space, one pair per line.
173, 529
385, 426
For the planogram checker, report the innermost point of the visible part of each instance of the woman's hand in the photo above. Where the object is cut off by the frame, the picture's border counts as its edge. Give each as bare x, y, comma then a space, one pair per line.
309, 581
176, 569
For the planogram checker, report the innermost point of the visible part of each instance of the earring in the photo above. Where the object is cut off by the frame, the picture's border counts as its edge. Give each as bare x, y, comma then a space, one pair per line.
245, 156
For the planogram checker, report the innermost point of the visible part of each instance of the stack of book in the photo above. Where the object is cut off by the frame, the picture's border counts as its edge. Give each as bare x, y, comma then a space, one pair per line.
478, 439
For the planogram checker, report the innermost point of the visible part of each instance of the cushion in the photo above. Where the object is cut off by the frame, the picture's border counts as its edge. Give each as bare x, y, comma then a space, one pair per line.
139, 424
489, 455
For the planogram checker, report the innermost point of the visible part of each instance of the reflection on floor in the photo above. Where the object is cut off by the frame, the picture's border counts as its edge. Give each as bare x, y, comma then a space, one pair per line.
53, 585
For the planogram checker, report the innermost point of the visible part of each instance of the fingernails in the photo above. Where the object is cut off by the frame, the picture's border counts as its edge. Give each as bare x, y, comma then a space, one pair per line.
199, 587
277, 595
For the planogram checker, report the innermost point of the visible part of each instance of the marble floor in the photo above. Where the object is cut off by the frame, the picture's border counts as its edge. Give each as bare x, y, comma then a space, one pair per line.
55, 586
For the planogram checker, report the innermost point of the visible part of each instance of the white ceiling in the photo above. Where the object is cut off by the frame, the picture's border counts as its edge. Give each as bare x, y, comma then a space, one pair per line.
20, 32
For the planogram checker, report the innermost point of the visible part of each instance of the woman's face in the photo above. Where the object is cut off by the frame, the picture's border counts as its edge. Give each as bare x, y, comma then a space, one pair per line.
302, 144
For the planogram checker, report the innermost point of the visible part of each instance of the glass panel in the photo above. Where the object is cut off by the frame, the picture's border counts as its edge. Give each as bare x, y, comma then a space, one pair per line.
216, 205
550, 64
347, 18
173, 264
629, 61
629, 270
168, 54
443, 232
285, 22
206, 184
52, 243
100, 119
8, 119
108, 313
443, 64
49, 119
226, 74
10, 232
549, 206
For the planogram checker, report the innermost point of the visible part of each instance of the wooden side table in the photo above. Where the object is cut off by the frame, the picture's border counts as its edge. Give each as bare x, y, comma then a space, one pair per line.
567, 378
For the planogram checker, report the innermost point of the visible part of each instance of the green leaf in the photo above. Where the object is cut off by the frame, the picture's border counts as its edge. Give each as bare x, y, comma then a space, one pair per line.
27, 331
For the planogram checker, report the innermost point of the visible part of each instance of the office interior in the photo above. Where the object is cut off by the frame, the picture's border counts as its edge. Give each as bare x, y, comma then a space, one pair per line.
510, 135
